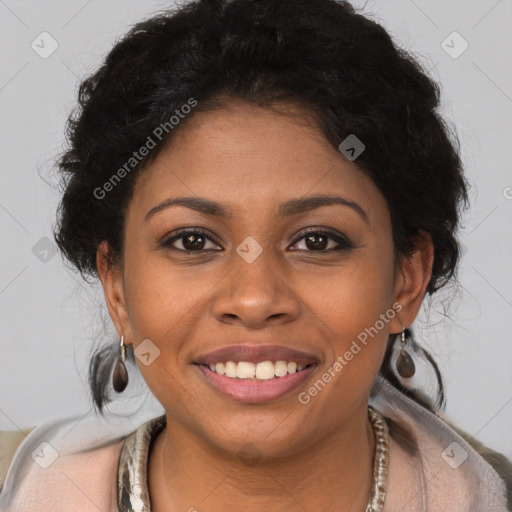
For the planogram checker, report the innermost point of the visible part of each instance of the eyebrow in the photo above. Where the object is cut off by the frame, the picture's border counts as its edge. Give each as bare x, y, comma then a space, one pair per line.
287, 209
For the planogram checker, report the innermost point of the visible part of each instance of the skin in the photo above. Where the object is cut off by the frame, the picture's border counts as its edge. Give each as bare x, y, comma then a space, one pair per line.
317, 456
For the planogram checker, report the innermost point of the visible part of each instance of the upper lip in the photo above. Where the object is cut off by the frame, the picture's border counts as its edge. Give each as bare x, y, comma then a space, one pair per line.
256, 354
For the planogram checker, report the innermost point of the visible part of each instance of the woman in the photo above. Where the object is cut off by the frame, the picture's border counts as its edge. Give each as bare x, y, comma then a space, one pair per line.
267, 194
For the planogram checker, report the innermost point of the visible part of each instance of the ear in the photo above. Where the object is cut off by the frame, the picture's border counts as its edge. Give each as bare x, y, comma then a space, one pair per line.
412, 280
111, 277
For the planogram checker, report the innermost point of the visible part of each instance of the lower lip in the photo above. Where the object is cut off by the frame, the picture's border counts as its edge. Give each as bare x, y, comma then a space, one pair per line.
256, 391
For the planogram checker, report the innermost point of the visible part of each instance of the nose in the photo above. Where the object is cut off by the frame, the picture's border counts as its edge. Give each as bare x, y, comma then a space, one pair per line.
257, 294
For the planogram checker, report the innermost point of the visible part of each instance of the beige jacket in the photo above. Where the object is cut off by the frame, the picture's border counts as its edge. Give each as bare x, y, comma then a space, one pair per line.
75, 483
447, 474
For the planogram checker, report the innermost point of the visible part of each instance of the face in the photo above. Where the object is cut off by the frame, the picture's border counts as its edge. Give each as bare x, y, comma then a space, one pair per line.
275, 269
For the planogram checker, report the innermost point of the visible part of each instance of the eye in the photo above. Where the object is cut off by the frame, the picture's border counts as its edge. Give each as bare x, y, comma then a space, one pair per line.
319, 241
197, 239
191, 240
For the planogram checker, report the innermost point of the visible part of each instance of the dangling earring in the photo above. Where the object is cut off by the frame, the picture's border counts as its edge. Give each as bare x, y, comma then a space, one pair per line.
120, 375
404, 363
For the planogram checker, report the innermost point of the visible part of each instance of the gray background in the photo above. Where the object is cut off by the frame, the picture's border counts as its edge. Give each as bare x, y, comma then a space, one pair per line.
49, 315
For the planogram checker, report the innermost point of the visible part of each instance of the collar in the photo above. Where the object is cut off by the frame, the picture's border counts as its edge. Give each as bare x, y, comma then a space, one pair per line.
132, 481
430, 479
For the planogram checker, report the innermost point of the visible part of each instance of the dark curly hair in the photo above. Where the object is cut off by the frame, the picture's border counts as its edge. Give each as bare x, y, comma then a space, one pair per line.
337, 64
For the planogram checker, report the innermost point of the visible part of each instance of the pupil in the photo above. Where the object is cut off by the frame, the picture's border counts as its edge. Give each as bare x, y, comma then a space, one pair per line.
189, 244
318, 245
314, 241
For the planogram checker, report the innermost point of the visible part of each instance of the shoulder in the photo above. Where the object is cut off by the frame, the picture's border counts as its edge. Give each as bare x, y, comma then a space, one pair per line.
9, 443
498, 461
459, 476
81, 481
61, 465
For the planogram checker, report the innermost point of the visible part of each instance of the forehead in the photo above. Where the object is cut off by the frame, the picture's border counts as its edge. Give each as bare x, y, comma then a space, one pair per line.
258, 156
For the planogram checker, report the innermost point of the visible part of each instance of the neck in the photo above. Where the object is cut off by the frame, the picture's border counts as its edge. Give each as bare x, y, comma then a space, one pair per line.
333, 474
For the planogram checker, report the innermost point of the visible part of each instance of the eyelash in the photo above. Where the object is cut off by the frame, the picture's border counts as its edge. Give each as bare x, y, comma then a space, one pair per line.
343, 243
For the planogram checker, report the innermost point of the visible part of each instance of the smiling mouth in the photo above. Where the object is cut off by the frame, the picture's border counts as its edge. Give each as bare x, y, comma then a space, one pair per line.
256, 383
264, 370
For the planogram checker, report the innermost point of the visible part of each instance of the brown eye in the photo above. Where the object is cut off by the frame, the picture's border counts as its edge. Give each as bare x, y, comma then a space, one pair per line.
323, 241
190, 241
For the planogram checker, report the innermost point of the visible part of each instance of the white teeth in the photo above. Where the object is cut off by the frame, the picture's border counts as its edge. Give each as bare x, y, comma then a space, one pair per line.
281, 368
245, 370
264, 370
231, 369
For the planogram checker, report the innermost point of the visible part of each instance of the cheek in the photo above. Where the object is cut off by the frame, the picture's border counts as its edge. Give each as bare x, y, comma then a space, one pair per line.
162, 311
355, 307
355, 304
348, 298
162, 297
346, 302
160, 306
